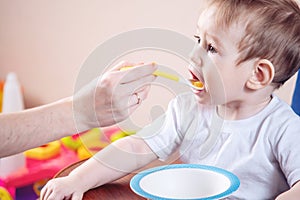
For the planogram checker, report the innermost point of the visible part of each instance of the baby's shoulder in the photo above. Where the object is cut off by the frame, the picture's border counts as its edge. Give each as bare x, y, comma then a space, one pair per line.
281, 120
283, 113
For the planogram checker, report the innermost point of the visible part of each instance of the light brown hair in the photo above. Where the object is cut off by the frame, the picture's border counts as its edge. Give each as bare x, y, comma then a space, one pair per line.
272, 31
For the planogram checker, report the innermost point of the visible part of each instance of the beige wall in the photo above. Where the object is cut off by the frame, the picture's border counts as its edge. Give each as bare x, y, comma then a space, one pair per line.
46, 41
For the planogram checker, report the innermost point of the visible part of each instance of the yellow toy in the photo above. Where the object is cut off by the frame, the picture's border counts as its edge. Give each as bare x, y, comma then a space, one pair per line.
120, 134
71, 142
89, 143
92, 142
4, 194
83, 153
44, 152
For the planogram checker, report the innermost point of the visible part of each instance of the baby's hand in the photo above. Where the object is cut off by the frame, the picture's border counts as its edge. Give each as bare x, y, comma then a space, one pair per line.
61, 188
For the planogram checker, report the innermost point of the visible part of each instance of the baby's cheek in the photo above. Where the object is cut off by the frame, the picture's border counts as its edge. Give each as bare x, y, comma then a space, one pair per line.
218, 94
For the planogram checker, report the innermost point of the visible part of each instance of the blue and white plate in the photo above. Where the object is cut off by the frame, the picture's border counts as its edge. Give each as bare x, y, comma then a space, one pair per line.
184, 181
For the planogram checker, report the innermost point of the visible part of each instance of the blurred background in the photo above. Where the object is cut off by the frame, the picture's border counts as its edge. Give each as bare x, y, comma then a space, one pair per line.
46, 42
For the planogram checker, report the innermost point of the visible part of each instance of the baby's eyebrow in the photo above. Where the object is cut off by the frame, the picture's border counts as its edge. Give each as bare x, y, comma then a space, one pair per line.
215, 39
209, 34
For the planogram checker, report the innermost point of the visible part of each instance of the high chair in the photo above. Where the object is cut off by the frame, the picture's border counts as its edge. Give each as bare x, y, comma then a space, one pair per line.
296, 96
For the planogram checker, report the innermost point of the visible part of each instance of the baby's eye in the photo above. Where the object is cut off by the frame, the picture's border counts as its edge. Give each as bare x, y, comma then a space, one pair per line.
197, 38
211, 49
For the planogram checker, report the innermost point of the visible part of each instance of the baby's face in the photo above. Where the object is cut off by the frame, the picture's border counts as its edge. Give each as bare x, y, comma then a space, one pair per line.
214, 61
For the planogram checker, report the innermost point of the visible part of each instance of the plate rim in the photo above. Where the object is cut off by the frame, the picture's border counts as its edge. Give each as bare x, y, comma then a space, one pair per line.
135, 180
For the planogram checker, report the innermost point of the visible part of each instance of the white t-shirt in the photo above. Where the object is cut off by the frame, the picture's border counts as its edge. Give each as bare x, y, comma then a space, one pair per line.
263, 150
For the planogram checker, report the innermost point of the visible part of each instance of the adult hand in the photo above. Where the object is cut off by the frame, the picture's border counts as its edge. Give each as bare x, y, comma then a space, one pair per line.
112, 97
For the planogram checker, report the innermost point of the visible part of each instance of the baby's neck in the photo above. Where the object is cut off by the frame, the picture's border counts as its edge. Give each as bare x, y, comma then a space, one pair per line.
242, 110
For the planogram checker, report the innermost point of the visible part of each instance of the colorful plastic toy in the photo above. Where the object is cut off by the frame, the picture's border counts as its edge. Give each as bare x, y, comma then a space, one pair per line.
72, 142
44, 162
4, 194
37, 186
92, 141
36, 170
44, 152
120, 134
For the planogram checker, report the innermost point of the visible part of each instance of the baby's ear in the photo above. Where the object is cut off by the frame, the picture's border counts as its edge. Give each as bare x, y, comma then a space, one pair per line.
262, 76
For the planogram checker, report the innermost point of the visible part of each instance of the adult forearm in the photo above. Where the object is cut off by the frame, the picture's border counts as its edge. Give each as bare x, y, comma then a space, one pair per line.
95, 104
34, 127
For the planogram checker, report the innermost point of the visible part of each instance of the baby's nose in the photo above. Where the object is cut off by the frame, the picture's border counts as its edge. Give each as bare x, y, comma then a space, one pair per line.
195, 57
196, 61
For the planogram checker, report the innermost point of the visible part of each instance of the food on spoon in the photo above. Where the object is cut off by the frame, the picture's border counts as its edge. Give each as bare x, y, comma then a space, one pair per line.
197, 84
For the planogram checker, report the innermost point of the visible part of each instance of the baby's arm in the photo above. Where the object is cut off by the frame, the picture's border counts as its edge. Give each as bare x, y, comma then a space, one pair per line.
291, 194
113, 162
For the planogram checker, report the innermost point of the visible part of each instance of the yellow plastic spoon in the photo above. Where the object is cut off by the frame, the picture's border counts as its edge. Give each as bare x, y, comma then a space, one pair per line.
195, 84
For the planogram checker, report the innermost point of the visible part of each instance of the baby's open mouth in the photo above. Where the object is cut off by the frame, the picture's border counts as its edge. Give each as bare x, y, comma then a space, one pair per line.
195, 80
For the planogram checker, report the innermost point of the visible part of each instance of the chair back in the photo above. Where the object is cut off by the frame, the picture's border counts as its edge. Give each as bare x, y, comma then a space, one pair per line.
296, 96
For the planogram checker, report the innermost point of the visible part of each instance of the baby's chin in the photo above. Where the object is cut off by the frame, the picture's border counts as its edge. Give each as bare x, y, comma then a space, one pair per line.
203, 99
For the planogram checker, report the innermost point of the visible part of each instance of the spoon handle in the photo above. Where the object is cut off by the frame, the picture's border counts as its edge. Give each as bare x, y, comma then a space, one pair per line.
171, 77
